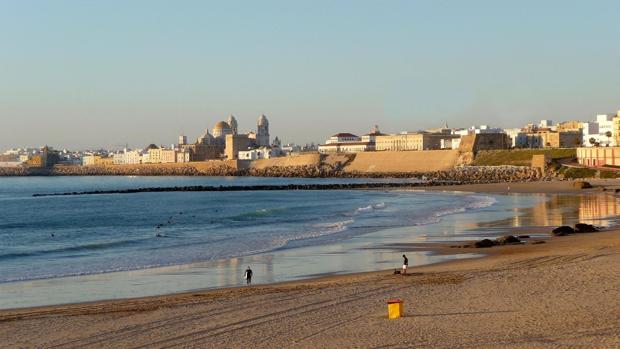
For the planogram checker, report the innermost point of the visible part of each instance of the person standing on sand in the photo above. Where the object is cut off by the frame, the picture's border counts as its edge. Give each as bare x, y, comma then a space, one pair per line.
405, 264
248, 276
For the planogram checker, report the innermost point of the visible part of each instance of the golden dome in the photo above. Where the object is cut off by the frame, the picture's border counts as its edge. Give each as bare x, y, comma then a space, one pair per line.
221, 125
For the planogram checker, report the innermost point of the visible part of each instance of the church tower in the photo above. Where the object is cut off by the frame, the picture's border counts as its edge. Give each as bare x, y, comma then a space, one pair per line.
233, 124
262, 131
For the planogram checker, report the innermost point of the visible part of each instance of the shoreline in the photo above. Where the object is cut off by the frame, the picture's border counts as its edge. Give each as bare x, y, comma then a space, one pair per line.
435, 248
430, 248
194, 318
528, 295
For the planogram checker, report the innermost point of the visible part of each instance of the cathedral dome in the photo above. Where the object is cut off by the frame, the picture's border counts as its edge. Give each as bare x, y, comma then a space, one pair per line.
221, 129
221, 125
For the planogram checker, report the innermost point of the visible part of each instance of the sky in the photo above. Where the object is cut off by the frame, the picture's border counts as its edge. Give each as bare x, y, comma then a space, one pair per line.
89, 74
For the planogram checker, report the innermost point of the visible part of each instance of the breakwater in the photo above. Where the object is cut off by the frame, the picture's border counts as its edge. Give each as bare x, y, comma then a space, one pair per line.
201, 188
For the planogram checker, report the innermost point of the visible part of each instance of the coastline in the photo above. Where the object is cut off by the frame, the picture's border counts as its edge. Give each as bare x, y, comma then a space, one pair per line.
353, 306
159, 308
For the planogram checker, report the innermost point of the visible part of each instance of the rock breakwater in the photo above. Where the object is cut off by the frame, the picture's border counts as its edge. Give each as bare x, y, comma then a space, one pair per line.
464, 174
199, 188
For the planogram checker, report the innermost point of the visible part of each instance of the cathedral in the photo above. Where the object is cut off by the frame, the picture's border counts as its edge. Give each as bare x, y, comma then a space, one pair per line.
225, 141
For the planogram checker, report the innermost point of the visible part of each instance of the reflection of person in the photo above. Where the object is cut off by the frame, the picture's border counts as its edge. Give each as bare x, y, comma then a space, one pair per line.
405, 264
248, 275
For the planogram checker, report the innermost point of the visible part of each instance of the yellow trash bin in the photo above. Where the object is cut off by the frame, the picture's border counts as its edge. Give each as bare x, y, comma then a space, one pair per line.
395, 308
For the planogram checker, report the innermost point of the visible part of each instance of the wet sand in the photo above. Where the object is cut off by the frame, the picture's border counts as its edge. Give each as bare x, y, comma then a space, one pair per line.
557, 294
525, 187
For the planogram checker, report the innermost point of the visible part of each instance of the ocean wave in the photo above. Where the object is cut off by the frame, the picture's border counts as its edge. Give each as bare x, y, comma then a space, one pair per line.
78, 248
473, 202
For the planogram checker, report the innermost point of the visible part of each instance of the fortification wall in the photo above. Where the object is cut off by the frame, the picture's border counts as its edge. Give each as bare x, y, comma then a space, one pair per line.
403, 161
312, 159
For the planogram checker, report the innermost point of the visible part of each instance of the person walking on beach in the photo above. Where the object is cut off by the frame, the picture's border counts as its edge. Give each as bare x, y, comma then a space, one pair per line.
405, 264
248, 275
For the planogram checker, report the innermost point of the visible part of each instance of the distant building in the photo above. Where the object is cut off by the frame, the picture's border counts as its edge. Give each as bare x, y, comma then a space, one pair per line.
220, 130
559, 139
97, 160
232, 122
291, 148
127, 157
345, 142
372, 136
259, 153
182, 140
10, 160
262, 132
343, 137
477, 130
545, 123
616, 129
415, 141
598, 156
224, 134
598, 133
518, 137
161, 155
183, 155
236, 144
475, 142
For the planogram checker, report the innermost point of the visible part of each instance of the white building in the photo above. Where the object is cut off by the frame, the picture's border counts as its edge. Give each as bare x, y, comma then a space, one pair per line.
349, 143
259, 153
545, 124
343, 137
477, 130
518, 137
600, 131
183, 155
127, 157
291, 148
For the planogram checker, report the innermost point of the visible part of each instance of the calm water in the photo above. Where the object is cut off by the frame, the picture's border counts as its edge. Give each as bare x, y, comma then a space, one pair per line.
79, 248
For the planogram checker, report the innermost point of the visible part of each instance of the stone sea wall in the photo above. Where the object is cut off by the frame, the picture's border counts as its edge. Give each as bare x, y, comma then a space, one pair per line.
392, 165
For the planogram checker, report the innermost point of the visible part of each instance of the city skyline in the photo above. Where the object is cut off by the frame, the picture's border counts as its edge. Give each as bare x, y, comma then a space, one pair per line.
88, 75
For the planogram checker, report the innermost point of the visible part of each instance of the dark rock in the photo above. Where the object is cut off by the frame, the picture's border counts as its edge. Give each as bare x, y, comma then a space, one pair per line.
523, 236
508, 239
563, 231
582, 185
585, 228
484, 243
537, 242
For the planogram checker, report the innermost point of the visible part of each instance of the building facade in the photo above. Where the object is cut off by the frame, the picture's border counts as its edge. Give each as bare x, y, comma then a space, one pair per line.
598, 156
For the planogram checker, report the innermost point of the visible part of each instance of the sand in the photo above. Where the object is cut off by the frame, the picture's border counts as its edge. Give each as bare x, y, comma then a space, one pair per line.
564, 293
529, 187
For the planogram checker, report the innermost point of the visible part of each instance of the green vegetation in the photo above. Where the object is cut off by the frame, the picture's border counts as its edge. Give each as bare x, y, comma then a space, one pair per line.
610, 174
575, 172
519, 157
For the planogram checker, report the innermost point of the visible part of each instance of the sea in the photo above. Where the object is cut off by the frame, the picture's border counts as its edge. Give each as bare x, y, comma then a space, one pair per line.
123, 245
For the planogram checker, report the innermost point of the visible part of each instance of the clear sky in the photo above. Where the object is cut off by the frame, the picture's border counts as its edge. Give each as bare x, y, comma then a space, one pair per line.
103, 73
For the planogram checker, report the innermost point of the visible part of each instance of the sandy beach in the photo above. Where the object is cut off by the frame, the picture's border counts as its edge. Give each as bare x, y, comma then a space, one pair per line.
562, 293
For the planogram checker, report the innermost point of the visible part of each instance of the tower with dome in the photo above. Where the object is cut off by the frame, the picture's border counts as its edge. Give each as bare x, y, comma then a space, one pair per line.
262, 131
224, 141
